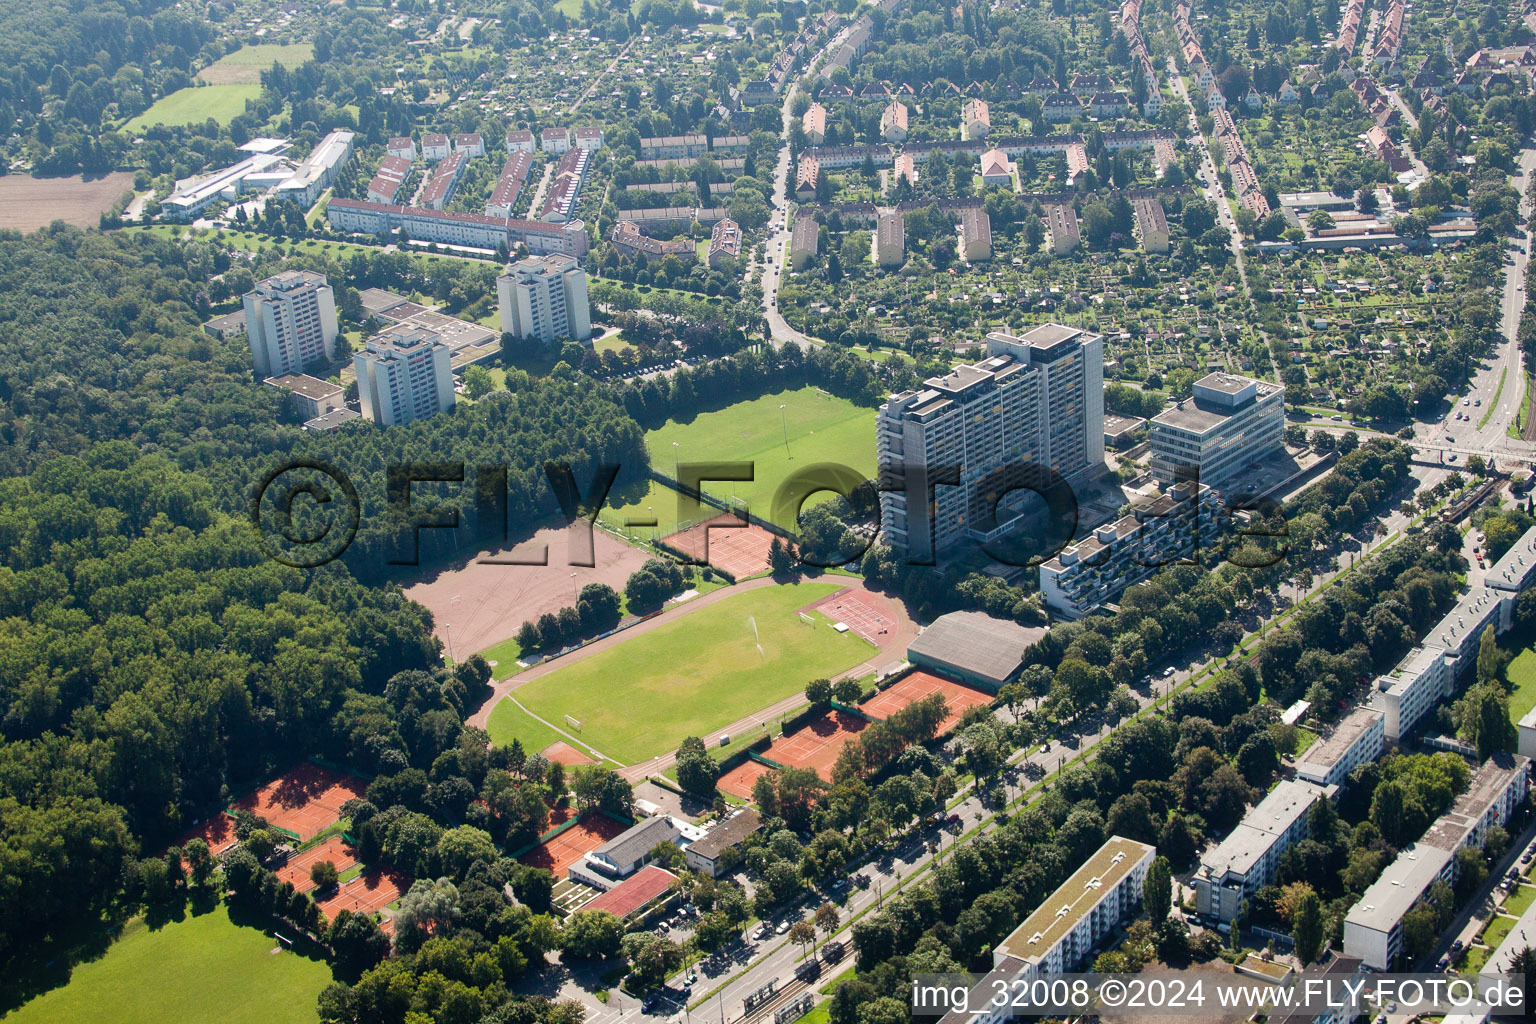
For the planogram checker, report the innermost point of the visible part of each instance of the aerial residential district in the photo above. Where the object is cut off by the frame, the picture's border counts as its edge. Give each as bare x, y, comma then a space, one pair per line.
726, 512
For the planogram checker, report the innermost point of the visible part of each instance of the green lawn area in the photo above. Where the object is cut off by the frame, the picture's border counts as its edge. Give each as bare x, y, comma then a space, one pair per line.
819, 428
1522, 680
1498, 928
657, 501
195, 105
247, 63
503, 657
201, 970
1472, 959
509, 722
610, 343
695, 674
821, 1013
1519, 900
1304, 739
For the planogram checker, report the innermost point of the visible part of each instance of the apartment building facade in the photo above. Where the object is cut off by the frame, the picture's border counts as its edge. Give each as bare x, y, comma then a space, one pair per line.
290, 321
1036, 403
1229, 423
1246, 860
404, 374
545, 298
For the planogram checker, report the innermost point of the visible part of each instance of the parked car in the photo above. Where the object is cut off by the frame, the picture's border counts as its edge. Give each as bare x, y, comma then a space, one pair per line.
782, 928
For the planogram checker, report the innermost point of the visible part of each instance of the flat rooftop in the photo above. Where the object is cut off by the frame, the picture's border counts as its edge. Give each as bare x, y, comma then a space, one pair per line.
1327, 753
306, 386
976, 642
1261, 828
1399, 888
1069, 904
1492, 778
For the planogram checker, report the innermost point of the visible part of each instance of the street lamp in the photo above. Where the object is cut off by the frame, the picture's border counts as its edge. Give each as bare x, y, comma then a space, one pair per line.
448, 632
674, 460
573, 588
784, 422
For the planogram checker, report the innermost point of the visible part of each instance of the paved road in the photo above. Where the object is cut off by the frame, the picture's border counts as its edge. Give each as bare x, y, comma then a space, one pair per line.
1212, 187
1493, 438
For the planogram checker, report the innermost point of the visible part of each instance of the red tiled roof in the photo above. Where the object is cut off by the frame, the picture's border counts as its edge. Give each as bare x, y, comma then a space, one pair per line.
629, 896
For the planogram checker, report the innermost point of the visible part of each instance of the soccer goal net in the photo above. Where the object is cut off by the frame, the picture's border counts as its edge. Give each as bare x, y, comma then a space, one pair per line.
574, 723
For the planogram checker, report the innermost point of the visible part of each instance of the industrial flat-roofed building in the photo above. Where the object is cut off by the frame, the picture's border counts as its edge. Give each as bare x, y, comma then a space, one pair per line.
545, 298
974, 648
705, 854
1245, 861
1359, 738
1082, 577
315, 174
404, 374
1213, 437
1035, 404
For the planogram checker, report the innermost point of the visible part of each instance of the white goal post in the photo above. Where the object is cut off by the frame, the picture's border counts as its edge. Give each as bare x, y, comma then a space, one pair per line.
574, 723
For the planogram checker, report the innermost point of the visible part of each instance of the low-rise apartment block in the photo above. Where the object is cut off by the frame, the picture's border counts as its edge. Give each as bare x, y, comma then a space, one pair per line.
555, 140
402, 146
975, 234
435, 146
1229, 424
813, 124
1246, 861
977, 118
891, 240
1100, 895
1373, 928
1359, 738
724, 242
1151, 224
1061, 221
445, 179
893, 122
804, 242
521, 140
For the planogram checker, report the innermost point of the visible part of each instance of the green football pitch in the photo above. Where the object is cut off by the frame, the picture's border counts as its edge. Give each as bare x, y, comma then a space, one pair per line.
194, 105
698, 673
199, 970
813, 427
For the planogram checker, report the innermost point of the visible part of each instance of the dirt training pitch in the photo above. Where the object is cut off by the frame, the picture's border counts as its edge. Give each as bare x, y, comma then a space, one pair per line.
574, 843
475, 605
564, 753
726, 542
816, 745
914, 686
305, 801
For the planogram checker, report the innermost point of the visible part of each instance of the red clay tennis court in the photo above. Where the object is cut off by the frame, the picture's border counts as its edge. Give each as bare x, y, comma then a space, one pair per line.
914, 686
335, 849
371, 891
864, 613
306, 800
725, 542
815, 745
739, 780
573, 844
218, 831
